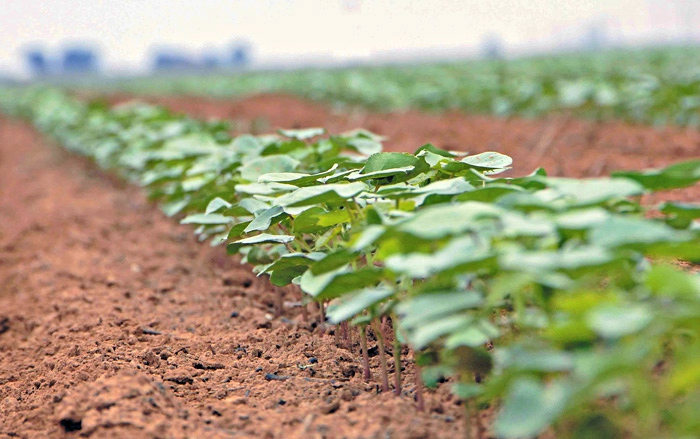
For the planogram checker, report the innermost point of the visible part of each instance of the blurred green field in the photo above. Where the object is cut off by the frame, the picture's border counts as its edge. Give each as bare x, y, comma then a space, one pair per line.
655, 86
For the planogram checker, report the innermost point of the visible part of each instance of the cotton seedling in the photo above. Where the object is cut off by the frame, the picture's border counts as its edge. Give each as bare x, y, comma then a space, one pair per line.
566, 281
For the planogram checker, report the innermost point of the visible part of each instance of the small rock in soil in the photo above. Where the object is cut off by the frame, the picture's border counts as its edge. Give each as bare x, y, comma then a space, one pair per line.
149, 358
330, 408
207, 366
150, 331
275, 377
4, 324
70, 424
179, 379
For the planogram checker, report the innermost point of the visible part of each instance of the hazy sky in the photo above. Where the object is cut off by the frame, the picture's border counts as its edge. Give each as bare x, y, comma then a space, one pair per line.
125, 30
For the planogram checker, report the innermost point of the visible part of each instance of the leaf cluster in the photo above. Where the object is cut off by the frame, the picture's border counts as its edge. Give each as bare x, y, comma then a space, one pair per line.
570, 280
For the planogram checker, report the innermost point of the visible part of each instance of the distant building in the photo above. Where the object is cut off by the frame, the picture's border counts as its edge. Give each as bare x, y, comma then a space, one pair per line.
240, 55
492, 47
6, 80
173, 59
37, 62
211, 60
79, 60
165, 60
595, 36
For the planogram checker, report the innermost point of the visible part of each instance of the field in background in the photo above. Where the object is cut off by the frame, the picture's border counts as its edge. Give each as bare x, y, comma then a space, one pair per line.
545, 308
656, 86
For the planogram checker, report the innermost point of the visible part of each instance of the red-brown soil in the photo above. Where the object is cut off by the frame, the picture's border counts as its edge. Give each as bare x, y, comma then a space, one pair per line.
115, 320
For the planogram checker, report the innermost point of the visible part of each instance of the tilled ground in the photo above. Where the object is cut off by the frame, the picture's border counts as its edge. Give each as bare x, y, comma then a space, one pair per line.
115, 322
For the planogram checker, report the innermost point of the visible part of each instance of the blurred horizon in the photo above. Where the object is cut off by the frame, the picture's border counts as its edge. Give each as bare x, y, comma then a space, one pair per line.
127, 37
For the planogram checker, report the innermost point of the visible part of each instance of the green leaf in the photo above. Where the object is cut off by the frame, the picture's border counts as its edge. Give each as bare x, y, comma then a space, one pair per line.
390, 167
564, 259
518, 358
474, 335
329, 193
680, 215
466, 391
264, 188
189, 145
435, 150
433, 305
291, 265
676, 176
216, 204
338, 282
247, 145
461, 252
439, 221
423, 335
265, 219
251, 170
263, 238
635, 232
253, 206
668, 281
488, 160
593, 190
334, 261
237, 230
200, 218
354, 303
582, 219
360, 176
529, 408
368, 237
295, 178
489, 194
303, 134
174, 207
389, 160
618, 321
365, 146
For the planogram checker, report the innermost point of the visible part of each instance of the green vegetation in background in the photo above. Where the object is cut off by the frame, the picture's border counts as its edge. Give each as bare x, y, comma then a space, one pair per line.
660, 86
593, 335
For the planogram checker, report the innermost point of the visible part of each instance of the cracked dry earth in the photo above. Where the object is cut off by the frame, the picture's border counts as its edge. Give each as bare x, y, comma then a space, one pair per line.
115, 322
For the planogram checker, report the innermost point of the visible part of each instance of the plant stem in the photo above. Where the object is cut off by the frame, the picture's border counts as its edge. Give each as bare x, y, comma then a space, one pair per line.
419, 386
382, 354
365, 355
350, 211
397, 365
468, 421
304, 310
322, 317
279, 301
479, 427
346, 336
385, 327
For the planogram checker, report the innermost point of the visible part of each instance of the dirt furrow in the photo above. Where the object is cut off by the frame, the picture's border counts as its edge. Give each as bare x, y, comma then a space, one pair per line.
115, 322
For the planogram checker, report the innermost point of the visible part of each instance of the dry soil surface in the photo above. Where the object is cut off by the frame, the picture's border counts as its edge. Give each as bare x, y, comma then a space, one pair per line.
115, 322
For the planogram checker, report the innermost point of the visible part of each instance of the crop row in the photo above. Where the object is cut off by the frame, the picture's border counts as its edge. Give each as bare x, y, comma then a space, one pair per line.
554, 298
659, 86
